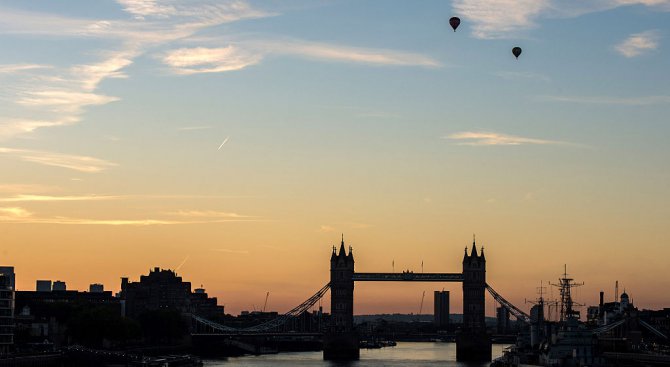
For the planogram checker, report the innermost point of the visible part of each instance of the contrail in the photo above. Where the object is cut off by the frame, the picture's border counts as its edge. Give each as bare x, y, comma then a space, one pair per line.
182, 263
224, 143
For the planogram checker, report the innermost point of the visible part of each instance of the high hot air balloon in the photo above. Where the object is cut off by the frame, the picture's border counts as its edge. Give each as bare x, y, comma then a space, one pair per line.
454, 22
516, 51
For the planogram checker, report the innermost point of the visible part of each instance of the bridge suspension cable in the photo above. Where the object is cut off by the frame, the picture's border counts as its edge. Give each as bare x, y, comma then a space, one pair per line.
269, 325
214, 325
296, 311
520, 315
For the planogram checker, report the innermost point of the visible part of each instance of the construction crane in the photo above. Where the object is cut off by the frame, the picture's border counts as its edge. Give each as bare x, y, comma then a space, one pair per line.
418, 317
266, 301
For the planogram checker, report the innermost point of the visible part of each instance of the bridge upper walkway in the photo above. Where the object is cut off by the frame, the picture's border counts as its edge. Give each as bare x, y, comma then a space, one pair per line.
408, 277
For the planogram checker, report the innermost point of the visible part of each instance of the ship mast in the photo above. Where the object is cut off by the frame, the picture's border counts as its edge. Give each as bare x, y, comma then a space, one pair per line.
565, 286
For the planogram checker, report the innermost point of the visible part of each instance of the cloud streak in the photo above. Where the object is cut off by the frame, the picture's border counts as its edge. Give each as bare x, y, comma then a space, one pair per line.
638, 44
207, 214
623, 101
491, 139
16, 68
231, 251
74, 162
18, 215
236, 57
48, 198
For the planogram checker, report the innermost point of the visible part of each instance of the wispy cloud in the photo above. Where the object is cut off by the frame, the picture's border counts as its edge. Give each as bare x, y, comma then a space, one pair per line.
23, 188
238, 56
515, 75
63, 100
59, 95
207, 214
491, 138
200, 10
25, 198
231, 251
192, 128
14, 212
625, 101
332, 52
500, 18
491, 19
16, 68
638, 44
18, 215
73, 162
326, 228
143, 8
10, 127
209, 60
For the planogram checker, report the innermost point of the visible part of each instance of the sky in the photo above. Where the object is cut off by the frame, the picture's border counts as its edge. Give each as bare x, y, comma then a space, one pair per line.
235, 141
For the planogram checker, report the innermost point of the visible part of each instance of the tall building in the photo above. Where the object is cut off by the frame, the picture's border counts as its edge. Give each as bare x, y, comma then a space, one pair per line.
502, 318
441, 312
6, 313
163, 289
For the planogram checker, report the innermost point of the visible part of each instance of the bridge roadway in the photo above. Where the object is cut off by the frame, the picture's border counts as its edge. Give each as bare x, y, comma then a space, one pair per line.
408, 277
242, 333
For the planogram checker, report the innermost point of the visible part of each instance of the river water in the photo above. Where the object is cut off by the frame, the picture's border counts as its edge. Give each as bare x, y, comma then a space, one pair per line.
404, 354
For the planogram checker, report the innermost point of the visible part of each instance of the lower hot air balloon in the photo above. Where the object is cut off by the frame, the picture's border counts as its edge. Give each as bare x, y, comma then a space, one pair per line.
516, 51
454, 22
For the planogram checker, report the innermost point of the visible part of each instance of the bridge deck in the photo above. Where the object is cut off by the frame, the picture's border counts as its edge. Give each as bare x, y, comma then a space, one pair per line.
408, 277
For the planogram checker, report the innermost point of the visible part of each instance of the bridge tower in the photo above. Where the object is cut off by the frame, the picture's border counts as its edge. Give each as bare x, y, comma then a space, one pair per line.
473, 343
341, 340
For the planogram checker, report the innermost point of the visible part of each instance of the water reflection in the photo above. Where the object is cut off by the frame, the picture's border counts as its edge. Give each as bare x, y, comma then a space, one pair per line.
404, 354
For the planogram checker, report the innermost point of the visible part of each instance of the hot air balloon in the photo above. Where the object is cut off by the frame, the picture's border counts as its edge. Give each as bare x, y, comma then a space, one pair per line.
454, 22
516, 51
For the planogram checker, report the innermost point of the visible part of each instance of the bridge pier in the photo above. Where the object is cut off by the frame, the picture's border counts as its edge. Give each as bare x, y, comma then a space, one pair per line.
341, 346
473, 347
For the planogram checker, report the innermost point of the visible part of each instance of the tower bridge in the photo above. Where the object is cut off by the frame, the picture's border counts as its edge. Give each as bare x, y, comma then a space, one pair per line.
340, 340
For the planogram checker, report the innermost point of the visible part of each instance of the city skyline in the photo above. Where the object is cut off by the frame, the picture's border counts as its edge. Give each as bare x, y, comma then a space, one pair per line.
235, 141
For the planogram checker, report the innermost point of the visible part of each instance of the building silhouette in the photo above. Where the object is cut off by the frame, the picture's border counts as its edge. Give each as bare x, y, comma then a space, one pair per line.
96, 288
6, 312
43, 286
8, 271
441, 311
59, 286
163, 290
41, 317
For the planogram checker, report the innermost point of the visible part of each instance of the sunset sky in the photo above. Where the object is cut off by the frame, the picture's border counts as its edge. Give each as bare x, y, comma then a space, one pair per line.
235, 141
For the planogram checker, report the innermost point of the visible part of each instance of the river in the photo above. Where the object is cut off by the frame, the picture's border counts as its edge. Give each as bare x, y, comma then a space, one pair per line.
404, 354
